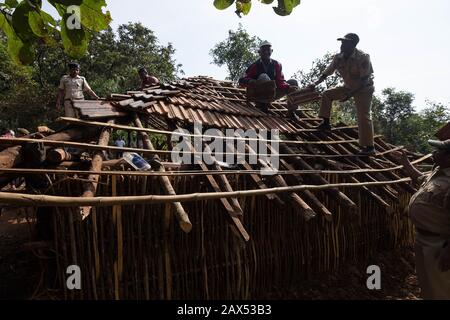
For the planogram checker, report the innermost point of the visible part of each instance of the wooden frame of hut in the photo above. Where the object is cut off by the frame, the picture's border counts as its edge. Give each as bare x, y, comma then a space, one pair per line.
203, 231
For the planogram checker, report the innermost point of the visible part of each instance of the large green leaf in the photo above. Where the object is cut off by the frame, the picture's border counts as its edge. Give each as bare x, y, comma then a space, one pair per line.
92, 16
20, 22
37, 24
223, 4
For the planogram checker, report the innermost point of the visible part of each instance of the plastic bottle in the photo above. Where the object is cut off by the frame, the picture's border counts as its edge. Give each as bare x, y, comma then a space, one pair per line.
136, 161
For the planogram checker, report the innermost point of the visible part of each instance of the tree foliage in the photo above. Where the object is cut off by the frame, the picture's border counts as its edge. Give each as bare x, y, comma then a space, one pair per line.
26, 26
283, 8
236, 52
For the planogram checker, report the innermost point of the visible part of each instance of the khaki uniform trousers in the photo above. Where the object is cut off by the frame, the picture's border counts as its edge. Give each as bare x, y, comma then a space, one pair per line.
363, 101
434, 283
69, 111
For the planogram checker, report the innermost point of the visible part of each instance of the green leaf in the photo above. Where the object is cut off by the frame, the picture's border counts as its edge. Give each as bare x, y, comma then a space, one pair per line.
246, 6
6, 26
285, 7
37, 24
20, 22
266, 1
12, 3
243, 6
48, 19
92, 16
223, 4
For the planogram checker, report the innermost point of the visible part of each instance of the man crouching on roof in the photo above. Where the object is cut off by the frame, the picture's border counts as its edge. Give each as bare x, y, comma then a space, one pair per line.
267, 69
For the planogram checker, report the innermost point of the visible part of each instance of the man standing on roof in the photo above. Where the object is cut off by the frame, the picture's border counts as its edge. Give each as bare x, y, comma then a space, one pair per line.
355, 67
267, 69
429, 210
71, 87
146, 79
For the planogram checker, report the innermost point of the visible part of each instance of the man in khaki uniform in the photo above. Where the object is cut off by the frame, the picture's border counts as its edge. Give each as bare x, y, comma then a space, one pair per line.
71, 87
429, 210
356, 70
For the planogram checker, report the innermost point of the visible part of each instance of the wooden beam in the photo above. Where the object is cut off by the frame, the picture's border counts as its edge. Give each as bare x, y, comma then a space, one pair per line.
63, 201
90, 187
233, 216
307, 212
334, 192
182, 217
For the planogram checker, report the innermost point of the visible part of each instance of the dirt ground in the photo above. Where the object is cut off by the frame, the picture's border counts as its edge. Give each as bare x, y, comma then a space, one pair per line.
19, 271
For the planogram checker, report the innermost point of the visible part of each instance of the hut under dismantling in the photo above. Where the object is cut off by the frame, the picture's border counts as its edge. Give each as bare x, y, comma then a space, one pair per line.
204, 230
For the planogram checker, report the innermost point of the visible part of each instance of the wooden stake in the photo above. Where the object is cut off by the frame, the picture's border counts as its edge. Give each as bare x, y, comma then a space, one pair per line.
182, 216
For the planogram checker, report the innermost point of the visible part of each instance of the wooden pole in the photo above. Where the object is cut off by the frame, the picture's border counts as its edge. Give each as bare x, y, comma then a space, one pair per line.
307, 212
90, 188
180, 213
222, 178
337, 194
62, 201
11, 157
149, 130
58, 155
232, 216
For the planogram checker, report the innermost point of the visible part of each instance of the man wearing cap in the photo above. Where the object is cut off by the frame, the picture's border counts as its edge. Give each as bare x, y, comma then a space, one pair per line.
146, 79
267, 69
429, 210
355, 67
71, 87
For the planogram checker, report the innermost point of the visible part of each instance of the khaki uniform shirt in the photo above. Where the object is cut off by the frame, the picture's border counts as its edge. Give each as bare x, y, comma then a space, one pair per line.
429, 208
353, 70
74, 87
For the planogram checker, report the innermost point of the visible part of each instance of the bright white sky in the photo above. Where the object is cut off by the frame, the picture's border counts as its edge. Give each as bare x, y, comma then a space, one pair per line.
408, 40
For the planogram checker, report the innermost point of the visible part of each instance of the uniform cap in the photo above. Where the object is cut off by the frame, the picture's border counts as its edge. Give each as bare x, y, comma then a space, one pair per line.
353, 37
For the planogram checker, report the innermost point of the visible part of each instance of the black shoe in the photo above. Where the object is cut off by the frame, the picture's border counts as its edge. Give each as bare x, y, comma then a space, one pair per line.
367, 151
324, 126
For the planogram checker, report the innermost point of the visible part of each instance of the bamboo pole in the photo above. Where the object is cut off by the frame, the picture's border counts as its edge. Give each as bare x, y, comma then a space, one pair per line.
249, 171
340, 196
233, 212
44, 200
183, 218
182, 134
222, 178
307, 212
90, 188
309, 195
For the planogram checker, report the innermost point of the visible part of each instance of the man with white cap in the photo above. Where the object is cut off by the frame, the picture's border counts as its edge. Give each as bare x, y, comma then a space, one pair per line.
267, 69
355, 68
71, 87
429, 210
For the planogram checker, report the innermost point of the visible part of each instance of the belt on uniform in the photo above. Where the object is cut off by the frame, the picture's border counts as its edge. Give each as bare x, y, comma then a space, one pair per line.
72, 99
